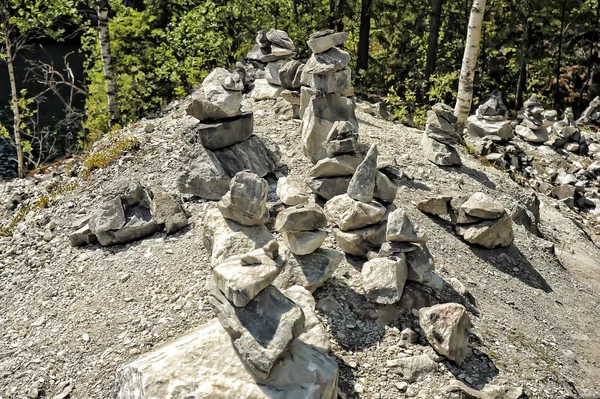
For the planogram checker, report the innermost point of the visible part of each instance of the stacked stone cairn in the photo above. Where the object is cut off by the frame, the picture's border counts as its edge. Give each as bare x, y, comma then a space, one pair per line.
266, 342
357, 216
591, 115
535, 121
274, 49
491, 135
479, 219
326, 83
566, 135
222, 143
440, 136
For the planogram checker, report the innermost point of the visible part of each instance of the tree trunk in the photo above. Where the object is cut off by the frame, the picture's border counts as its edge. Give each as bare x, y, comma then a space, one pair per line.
523, 67
15, 105
362, 60
331, 14
107, 65
467, 71
559, 55
590, 60
435, 22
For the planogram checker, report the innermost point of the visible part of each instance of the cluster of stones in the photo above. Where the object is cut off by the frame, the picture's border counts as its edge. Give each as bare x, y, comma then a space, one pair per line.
440, 136
591, 115
267, 339
479, 219
566, 135
491, 135
535, 121
222, 143
134, 213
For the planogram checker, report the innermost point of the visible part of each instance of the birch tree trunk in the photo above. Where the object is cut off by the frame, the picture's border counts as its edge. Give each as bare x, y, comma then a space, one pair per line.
107, 65
467, 71
15, 105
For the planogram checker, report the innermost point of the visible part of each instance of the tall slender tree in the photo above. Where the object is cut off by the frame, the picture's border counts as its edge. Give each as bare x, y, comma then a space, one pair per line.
107, 65
362, 60
435, 22
559, 54
467, 71
20, 26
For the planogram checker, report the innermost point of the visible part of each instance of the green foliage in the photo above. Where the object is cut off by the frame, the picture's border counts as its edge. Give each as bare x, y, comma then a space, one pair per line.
102, 158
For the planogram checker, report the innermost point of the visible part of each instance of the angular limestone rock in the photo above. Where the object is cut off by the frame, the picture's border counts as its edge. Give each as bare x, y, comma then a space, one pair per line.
304, 242
488, 233
82, 236
359, 242
223, 133
167, 210
349, 214
383, 279
483, 206
533, 136
440, 129
260, 341
337, 82
302, 217
401, 228
314, 333
272, 72
439, 153
483, 127
435, 205
204, 110
322, 41
251, 154
292, 190
328, 62
341, 139
242, 277
225, 238
280, 38
421, 265
208, 366
446, 327
319, 111
287, 75
342, 165
309, 271
246, 200
362, 184
223, 90
263, 90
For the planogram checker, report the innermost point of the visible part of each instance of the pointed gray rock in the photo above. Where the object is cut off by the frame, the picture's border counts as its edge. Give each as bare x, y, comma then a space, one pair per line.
362, 184
420, 264
401, 228
488, 233
262, 330
246, 200
446, 327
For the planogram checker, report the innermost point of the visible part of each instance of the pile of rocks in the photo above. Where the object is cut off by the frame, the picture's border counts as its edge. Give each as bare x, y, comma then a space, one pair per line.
591, 115
222, 143
535, 121
440, 136
134, 213
566, 135
491, 136
358, 217
266, 341
479, 219
323, 102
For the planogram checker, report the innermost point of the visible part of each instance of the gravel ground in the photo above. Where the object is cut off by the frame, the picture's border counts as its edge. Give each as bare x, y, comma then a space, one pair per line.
71, 316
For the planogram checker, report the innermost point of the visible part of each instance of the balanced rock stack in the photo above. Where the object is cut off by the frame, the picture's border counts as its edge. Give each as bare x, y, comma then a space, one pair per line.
356, 214
331, 176
275, 49
535, 121
264, 343
478, 219
491, 135
490, 121
591, 115
565, 134
440, 136
222, 143
323, 102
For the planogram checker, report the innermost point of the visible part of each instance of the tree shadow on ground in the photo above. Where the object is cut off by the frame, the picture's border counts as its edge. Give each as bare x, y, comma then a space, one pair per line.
512, 261
476, 175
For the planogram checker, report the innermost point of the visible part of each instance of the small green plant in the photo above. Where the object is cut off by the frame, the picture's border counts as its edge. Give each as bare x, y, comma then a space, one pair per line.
104, 157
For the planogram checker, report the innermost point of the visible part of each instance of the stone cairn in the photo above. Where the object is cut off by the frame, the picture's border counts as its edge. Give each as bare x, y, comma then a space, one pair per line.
535, 121
566, 135
479, 219
591, 115
268, 340
222, 143
491, 136
440, 136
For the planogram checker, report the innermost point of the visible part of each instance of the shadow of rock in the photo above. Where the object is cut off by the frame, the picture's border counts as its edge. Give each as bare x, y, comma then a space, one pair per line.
477, 367
347, 379
477, 175
512, 261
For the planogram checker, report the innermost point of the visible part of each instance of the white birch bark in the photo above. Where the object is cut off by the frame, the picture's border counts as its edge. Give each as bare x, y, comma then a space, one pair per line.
467, 71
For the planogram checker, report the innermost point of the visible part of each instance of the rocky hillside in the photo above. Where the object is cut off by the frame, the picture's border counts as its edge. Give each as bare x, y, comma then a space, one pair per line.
72, 316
